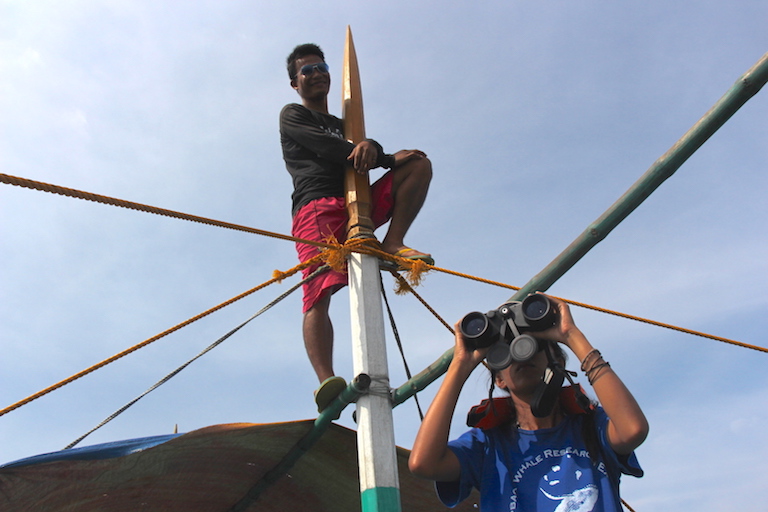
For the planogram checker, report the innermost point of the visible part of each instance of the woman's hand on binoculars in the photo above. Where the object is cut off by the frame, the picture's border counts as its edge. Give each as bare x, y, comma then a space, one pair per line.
564, 326
464, 353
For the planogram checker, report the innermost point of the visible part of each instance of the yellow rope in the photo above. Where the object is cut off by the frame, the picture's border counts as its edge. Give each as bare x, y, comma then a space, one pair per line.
278, 277
619, 314
667, 326
414, 268
475, 278
404, 287
615, 313
79, 194
627, 505
335, 255
569, 301
332, 253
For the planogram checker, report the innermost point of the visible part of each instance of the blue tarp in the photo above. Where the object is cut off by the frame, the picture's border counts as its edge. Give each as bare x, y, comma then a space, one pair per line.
95, 452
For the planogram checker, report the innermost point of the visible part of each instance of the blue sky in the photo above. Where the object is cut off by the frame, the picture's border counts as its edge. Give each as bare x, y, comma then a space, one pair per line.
537, 117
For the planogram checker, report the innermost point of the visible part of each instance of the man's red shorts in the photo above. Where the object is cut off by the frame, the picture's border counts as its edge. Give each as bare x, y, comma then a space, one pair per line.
328, 215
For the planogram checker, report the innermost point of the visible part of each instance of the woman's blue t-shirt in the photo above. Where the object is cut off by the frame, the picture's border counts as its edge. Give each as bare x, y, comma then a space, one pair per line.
547, 470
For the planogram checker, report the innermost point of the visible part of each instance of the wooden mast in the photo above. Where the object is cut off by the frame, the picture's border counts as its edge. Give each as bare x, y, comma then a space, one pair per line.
357, 186
377, 458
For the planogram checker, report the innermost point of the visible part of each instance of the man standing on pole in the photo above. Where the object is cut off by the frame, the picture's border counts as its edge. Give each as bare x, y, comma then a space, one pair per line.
316, 155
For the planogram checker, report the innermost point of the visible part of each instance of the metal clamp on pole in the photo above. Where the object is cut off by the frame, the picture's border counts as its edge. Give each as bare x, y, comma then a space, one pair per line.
359, 386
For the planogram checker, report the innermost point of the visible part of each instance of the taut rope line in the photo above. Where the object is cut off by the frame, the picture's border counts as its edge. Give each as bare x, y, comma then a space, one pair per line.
278, 277
88, 196
666, 326
361, 245
333, 253
210, 347
404, 287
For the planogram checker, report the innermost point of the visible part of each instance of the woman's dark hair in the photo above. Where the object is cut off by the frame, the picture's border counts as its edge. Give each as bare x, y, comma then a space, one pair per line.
302, 51
588, 425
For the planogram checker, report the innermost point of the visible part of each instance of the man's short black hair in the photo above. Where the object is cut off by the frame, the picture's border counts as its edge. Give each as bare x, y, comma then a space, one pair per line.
302, 51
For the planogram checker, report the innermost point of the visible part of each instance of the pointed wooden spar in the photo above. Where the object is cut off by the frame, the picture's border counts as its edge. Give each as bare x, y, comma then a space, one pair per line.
377, 456
357, 186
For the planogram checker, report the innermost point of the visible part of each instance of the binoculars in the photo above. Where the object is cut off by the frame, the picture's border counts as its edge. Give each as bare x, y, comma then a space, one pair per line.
504, 329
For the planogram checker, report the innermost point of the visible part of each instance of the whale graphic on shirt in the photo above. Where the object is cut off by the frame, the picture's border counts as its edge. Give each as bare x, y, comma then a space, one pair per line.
580, 500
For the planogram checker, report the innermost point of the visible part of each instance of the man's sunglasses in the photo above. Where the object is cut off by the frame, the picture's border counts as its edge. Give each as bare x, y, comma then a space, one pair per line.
310, 68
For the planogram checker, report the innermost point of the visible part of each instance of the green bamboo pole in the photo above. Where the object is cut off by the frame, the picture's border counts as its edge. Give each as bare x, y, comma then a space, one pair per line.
742, 90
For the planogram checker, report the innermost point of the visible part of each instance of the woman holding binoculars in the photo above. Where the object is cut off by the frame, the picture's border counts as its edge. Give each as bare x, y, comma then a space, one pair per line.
569, 457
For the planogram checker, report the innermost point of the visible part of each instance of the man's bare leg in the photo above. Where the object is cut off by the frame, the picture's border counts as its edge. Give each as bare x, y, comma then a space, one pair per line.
410, 184
318, 338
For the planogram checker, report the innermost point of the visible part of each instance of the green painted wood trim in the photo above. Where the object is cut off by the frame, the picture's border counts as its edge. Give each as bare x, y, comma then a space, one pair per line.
381, 499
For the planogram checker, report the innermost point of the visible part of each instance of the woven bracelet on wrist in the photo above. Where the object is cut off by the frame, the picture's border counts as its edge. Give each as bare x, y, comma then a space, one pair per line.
594, 372
586, 359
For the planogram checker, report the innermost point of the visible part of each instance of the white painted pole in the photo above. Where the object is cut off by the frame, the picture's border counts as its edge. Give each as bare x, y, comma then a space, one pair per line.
377, 458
